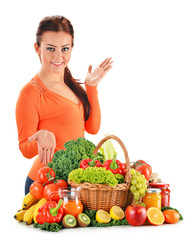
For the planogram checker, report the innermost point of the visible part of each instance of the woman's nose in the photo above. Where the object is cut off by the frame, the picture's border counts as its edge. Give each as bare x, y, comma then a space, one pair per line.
57, 55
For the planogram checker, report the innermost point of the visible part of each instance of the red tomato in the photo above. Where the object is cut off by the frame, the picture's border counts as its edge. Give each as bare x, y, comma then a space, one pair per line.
45, 174
51, 192
140, 161
143, 168
36, 190
61, 183
136, 215
146, 170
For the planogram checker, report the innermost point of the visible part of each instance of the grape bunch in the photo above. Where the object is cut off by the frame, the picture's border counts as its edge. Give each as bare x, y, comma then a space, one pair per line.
138, 184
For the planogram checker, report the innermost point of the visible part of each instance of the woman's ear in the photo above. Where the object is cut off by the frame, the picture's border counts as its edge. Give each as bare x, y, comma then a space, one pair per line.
37, 48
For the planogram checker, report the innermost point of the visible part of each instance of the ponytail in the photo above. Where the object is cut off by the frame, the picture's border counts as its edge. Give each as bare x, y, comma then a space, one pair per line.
74, 85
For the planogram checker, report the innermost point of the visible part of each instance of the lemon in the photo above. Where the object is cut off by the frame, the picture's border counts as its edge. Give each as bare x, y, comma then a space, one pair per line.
103, 216
117, 213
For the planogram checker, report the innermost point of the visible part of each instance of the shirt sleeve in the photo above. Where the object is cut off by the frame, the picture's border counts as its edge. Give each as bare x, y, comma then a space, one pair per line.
27, 119
92, 125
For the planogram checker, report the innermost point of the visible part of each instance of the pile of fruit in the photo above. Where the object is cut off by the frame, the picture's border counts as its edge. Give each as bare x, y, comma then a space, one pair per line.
135, 215
44, 206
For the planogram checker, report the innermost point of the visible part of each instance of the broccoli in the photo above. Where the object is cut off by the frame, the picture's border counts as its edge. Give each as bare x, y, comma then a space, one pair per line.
120, 178
64, 161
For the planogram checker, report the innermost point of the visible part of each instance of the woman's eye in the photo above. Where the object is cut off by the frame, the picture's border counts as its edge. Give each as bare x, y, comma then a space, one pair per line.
50, 49
65, 49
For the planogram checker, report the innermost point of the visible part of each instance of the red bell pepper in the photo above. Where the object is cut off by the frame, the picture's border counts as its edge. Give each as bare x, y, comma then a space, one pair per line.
115, 166
50, 212
91, 162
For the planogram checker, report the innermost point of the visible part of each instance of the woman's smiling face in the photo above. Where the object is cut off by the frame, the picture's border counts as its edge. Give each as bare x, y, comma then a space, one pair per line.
54, 50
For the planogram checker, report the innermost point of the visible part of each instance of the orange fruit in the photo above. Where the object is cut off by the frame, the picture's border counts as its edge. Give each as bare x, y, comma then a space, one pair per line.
171, 216
155, 216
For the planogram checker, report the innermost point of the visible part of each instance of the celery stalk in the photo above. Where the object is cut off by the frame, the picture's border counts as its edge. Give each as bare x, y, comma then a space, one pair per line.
108, 150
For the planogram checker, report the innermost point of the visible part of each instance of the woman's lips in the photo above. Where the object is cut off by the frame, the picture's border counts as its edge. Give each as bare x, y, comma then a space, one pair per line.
57, 64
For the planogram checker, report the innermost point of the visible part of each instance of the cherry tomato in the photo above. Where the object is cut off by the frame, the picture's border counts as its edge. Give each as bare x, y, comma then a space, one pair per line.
61, 183
48, 190
36, 190
124, 170
45, 174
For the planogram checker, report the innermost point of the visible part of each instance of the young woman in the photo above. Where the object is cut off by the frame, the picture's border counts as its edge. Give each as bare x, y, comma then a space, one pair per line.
53, 107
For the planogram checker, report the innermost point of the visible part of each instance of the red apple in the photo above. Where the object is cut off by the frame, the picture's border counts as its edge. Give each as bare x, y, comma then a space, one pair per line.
136, 215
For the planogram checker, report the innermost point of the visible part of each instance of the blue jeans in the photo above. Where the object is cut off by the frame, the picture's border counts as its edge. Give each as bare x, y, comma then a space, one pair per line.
28, 183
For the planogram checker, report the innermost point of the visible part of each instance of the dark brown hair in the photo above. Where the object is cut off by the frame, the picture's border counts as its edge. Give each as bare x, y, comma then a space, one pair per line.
59, 23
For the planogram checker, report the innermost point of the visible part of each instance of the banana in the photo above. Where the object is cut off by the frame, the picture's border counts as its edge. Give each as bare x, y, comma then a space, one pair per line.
19, 215
28, 201
38, 205
28, 216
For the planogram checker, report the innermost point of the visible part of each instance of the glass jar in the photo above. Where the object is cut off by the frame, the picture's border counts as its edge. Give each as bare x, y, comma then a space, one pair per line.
71, 200
152, 198
165, 192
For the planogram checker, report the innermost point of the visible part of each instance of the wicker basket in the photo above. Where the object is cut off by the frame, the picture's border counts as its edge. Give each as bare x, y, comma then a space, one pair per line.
103, 196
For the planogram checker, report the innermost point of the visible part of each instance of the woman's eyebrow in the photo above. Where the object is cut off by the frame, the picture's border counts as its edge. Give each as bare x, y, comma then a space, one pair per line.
56, 46
65, 45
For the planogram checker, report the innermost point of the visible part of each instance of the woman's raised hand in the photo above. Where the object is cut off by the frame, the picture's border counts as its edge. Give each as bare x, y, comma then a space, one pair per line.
46, 143
93, 78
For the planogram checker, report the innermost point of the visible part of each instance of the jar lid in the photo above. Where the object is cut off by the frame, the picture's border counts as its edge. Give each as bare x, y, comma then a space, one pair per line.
153, 190
159, 184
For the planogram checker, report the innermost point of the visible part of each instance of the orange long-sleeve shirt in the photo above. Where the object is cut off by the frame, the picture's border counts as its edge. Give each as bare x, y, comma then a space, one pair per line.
39, 108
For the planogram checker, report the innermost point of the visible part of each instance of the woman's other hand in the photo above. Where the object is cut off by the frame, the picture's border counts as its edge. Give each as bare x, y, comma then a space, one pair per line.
93, 78
46, 143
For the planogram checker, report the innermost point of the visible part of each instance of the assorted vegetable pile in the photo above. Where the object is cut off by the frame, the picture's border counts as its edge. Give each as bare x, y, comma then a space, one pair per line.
44, 207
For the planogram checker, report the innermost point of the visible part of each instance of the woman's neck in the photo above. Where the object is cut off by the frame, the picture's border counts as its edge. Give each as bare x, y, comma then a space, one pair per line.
50, 77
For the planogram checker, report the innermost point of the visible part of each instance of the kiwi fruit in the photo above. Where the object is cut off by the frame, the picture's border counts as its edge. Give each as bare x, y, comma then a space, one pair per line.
69, 221
83, 220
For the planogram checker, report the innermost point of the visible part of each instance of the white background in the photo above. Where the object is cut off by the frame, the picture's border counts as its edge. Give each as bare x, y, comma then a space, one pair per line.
148, 98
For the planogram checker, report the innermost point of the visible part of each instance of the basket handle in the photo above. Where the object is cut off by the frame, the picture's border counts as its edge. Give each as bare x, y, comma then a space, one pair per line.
128, 174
